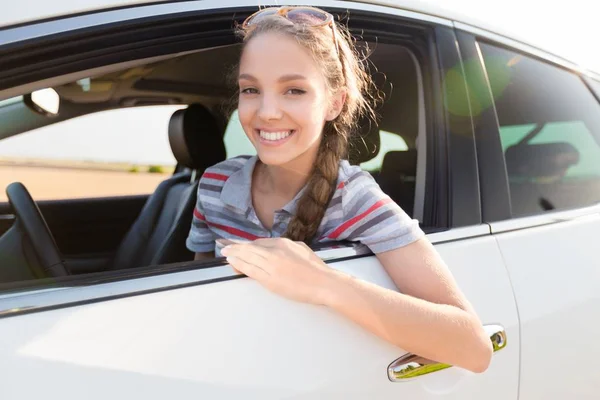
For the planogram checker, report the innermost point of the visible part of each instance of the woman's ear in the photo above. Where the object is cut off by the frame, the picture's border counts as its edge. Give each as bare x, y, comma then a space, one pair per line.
337, 103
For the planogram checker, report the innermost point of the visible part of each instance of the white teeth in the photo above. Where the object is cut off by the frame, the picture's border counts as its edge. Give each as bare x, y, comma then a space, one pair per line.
275, 135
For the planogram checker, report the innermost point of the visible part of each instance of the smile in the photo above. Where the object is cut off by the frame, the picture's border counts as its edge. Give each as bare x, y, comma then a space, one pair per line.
278, 137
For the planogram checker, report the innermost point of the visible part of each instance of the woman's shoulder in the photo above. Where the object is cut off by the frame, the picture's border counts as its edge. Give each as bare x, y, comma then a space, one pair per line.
353, 177
357, 190
361, 211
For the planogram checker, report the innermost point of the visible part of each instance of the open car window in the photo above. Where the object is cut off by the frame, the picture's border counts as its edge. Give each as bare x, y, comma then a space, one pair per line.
109, 153
122, 155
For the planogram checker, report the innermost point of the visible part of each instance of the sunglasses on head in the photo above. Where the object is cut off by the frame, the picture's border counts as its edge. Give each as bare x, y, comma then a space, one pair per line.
309, 16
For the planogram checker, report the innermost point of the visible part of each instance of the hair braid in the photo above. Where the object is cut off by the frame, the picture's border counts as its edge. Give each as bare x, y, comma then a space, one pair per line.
321, 186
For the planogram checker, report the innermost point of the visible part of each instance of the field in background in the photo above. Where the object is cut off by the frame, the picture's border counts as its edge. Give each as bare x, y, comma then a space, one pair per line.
60, 180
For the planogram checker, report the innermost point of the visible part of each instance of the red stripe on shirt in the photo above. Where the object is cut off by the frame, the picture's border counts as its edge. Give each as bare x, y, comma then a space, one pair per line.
212, 175
198, 215
341, 185
235, 231
335, 234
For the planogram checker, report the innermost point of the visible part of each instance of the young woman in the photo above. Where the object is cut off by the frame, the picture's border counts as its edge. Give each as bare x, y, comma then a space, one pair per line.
302, 90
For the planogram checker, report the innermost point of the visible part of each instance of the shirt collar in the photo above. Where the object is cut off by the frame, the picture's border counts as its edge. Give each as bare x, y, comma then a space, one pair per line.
237, 190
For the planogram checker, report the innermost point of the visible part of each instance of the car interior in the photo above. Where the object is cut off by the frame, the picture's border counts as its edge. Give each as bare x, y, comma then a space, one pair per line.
54, 238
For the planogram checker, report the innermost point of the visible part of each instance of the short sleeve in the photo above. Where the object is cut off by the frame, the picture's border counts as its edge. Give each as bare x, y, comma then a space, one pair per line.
200, 239
373, 218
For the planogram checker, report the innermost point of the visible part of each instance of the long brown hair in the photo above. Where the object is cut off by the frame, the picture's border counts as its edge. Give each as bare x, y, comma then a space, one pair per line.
343, 69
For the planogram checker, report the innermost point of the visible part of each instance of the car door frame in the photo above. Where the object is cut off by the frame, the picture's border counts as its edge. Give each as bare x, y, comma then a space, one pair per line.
78, 42
451, 152
452, 177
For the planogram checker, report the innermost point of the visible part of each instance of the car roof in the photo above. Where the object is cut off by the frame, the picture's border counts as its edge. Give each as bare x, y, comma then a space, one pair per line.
30, 10
26, 11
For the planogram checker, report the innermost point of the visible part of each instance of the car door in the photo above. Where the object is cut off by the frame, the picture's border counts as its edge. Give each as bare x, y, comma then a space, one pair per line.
199, 330
204, 332
540, 150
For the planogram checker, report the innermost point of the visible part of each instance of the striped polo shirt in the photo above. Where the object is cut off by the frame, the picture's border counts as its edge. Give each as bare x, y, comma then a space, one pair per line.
358, 211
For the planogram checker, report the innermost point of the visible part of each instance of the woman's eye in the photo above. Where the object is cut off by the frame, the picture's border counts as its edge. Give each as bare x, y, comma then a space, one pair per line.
296, 91
249, 91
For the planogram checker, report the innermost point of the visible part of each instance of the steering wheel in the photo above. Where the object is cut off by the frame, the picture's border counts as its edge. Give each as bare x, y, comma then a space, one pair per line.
34, 226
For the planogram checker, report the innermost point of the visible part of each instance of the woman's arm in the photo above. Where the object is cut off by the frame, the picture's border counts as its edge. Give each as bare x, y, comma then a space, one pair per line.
430, 317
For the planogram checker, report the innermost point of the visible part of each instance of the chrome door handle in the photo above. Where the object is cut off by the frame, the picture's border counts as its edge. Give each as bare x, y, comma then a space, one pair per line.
410, 366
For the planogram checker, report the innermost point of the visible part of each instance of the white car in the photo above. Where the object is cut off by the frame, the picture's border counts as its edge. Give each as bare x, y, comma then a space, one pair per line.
491, 144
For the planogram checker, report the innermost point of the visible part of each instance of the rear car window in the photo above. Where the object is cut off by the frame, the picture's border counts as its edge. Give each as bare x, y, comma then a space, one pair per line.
549, 125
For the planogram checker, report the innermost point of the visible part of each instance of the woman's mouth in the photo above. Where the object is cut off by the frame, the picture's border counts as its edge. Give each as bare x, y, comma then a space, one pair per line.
274, 138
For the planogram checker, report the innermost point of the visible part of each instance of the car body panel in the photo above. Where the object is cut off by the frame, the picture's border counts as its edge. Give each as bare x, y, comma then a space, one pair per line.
234, 338
555, 271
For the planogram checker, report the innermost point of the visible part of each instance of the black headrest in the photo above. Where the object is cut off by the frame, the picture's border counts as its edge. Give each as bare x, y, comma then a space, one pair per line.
365, 145
196, 138
400, 163
540, 160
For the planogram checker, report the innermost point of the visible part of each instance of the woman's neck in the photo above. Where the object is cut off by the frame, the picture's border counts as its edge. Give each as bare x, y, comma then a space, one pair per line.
288, 179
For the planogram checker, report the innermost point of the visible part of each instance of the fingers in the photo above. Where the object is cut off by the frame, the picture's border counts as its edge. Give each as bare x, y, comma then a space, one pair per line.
268, 242
303, 244
224, 242
237, 271
248, 252
253, 271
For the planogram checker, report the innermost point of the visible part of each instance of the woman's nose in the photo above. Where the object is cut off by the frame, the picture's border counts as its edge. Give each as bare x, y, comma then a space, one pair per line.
269, 108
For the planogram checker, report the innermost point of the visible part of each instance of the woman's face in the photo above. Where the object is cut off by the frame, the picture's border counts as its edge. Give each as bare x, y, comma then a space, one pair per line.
284, 99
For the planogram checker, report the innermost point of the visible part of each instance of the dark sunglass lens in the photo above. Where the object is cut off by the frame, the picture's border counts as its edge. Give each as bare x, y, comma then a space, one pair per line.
307, 16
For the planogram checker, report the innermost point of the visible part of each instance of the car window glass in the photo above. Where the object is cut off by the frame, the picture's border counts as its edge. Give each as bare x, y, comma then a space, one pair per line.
236, 141
109, 153
580, 138
12, 100
389, 142
549, 128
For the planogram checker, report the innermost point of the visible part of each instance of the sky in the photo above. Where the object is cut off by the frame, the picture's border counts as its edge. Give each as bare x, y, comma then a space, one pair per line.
568, 29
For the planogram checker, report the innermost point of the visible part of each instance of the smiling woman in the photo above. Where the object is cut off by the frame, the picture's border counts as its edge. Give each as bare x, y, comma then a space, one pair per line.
302, 91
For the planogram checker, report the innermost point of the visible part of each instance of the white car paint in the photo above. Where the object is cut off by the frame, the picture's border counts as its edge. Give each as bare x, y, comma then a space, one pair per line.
555, 273
235, 339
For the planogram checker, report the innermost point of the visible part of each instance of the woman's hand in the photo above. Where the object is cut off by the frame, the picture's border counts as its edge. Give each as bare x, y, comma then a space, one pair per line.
285, 267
